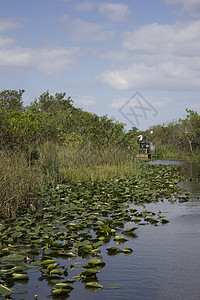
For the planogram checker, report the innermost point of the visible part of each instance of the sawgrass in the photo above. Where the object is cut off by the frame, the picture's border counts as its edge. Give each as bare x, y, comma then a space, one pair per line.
21, 175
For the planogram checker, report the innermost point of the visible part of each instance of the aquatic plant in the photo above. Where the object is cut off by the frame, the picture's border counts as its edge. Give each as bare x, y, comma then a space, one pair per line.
76, 219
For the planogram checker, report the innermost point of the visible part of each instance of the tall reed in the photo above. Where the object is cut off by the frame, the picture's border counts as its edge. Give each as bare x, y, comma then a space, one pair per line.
22, 177
166, 151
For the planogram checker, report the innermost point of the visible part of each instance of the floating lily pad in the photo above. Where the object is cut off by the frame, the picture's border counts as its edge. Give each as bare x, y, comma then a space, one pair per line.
96, 262
4, 291
127, 250
130, 229
56, 272
48, 262
76, 219
59, 291
17, 276
63, 285
113, 251
120, 238
93, 285
52, 266
13, 257
89, 273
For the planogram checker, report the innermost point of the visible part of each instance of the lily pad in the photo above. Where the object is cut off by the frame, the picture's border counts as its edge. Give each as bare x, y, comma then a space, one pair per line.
96, 262
62, 285
130, 229
17, 276
13, 257
4, 291
59, 291
48, 262
89, 273
93, 285
127, 250
120, 238
113, 251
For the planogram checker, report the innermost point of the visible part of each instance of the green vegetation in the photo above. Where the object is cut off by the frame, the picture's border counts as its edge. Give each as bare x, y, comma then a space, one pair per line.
64, 237
179, 140
50, 141
70, 185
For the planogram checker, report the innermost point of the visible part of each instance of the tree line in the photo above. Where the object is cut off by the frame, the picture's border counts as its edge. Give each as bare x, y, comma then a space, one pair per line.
55, 118
182, 135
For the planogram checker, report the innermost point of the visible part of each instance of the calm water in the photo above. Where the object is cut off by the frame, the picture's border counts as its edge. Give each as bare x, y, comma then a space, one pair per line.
164, 265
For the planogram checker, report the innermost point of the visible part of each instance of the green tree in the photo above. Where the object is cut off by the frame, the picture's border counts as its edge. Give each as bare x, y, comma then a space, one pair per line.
190, 130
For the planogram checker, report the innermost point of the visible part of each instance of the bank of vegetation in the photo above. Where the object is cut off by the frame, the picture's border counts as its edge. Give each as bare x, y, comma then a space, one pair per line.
179, 139
51, 141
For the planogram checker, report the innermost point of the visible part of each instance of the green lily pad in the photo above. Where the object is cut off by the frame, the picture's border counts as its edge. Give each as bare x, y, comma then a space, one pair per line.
13, 257
18, 269
48, 262
127, 250
63, 285
4, 291
93, 285
113, 251
67, 254
131, 229
56, 272
96, 262
17, 276
59, 291
120, 238
89, 273
52, 266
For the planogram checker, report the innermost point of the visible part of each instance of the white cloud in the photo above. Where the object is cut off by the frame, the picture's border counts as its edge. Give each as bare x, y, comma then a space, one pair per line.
161, 76
178, 39
5, 42
115, 12
55, 59
192, 7
160, 57
15, 57
49, 60
9, 24
85, 6
82, 31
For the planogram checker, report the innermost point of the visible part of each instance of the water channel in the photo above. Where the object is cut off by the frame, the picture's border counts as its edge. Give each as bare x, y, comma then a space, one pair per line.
165, 261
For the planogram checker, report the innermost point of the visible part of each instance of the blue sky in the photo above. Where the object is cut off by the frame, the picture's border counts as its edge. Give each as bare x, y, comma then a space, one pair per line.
136, 60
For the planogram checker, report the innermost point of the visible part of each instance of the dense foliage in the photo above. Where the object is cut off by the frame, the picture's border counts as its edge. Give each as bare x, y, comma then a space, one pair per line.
182, 136
51, 141
55, 118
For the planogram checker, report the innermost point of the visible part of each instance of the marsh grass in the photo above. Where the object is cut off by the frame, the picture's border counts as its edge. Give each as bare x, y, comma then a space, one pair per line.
98, 172
18, 182
20, 178
166, 151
